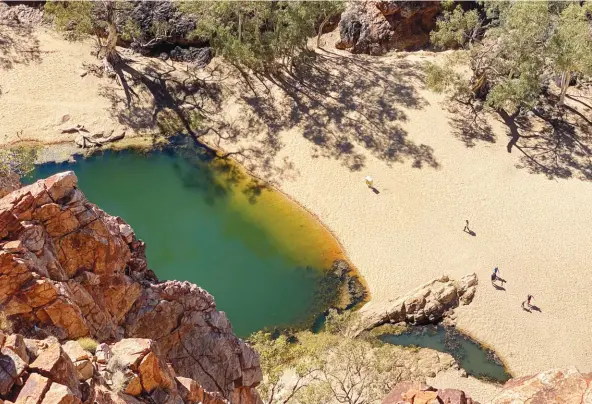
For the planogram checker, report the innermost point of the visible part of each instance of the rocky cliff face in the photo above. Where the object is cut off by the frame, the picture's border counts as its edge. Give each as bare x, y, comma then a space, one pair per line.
375, 27
129, 371
70, 270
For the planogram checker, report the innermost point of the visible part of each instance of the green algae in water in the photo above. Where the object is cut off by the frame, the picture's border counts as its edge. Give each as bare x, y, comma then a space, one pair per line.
205, 221
475, 359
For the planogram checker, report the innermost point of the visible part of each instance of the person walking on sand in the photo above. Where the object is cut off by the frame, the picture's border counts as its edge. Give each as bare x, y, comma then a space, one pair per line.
494, 276
466, 229
527, 301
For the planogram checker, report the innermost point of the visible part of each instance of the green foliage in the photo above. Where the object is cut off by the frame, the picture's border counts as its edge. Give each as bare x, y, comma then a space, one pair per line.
73, 18
570, 47
389, 329
455, 28
511, 62
17, 160
329, 366
259, 34
88, 344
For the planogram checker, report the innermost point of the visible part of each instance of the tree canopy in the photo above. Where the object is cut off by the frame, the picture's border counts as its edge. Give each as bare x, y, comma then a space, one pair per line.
15, 163
329, 366
514, 50
260, 34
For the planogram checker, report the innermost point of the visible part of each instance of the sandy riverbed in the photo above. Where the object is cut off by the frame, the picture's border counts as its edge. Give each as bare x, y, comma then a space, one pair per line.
353, 116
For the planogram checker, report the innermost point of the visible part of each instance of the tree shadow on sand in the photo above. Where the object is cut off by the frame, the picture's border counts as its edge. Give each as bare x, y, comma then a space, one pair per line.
556, 142
343, 104
340, 104
553, 141
18, 44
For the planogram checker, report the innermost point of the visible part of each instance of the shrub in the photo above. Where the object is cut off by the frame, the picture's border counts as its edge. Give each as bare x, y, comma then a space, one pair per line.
88, 344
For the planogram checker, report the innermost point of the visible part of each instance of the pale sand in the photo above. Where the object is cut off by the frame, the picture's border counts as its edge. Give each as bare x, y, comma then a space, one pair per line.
535, 229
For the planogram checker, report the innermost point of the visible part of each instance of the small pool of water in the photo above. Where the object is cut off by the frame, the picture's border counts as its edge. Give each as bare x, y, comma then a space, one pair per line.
475, 359
204, 220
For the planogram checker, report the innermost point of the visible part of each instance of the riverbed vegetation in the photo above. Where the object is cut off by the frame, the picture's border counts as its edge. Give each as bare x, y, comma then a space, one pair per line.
329, 366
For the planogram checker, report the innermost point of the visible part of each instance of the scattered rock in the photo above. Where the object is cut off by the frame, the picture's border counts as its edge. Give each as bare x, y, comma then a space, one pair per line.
54, 364
34, 390
60, 394
21, 14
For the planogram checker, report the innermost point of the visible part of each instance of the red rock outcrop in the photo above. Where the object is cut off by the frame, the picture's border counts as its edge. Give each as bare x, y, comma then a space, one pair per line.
426, 304
70, 270
375, 27
419, 393
550, 387
135, 373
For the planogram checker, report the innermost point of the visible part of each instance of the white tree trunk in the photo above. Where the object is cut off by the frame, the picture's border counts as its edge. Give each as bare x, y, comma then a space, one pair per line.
565, 78
321, 31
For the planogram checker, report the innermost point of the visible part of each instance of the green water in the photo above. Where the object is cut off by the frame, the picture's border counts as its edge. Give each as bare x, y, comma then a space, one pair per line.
258, 254
476, 360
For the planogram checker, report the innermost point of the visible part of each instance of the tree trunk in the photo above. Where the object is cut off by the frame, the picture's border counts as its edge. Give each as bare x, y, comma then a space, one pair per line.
321, 31
108, 51
240, 26
565, 78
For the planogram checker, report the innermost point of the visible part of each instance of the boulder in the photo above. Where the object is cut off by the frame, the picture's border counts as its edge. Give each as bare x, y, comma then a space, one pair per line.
155, 374
60, 394
16, 342
34, 390
375, 27
82, 359
191, 392
11, 369
54, 364
426, 304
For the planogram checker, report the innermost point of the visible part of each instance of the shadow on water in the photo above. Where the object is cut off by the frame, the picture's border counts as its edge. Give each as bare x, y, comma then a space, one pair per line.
206, 221
475, 359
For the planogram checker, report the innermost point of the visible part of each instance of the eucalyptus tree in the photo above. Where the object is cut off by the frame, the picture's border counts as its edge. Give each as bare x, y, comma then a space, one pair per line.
259, 35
